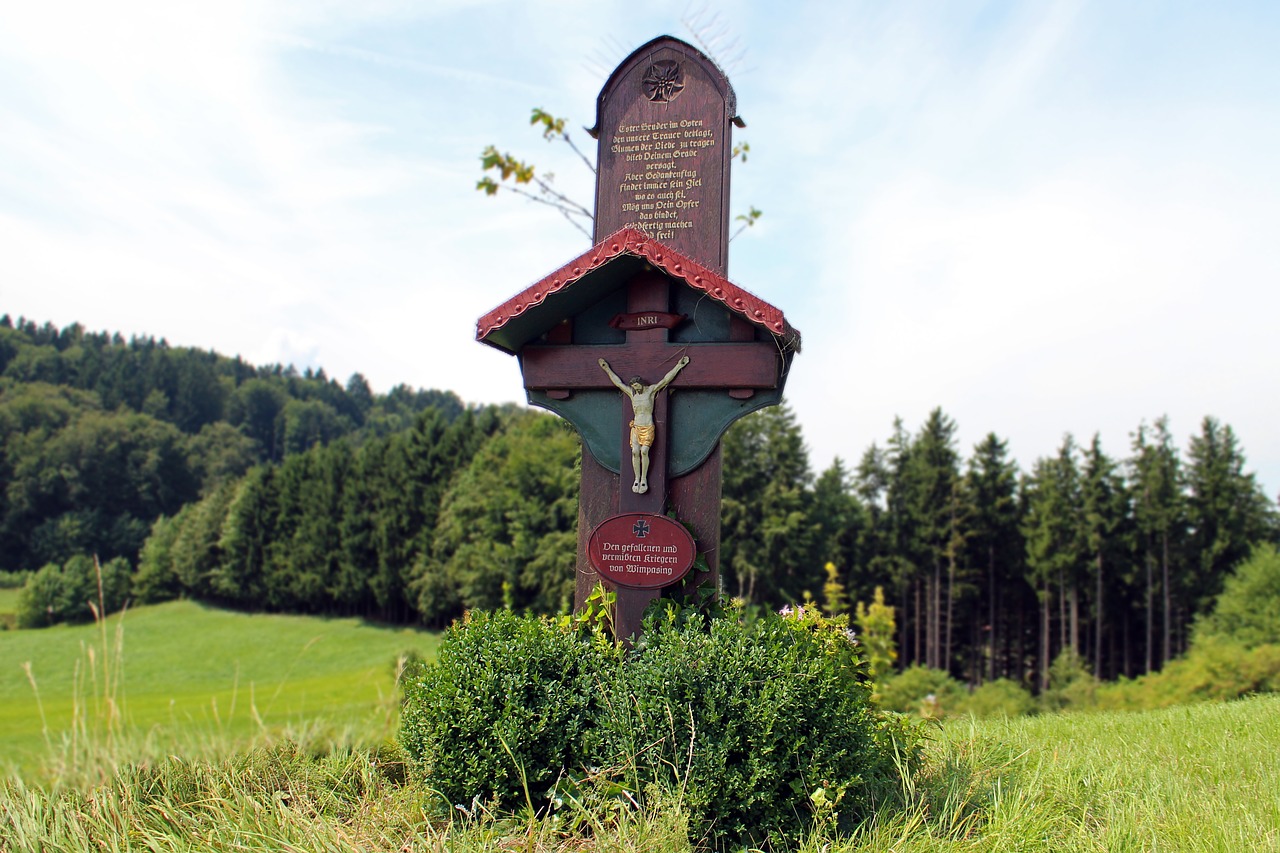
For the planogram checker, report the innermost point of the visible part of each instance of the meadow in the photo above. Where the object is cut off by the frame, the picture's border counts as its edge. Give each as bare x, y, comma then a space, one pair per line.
8, 607
1197, 777
182, 669
303, 762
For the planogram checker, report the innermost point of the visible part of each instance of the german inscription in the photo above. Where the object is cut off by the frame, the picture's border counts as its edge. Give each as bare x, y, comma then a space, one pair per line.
662, 187
663, 126
640, 550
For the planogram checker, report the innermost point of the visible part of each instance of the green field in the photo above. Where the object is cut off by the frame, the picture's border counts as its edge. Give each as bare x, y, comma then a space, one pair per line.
9, 607
189, 667
1196, 777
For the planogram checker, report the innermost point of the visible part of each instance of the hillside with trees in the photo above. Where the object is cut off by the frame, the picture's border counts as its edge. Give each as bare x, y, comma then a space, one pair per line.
195, 475
101, 435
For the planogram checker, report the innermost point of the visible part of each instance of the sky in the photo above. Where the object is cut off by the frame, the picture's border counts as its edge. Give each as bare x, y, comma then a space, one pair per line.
1042, 217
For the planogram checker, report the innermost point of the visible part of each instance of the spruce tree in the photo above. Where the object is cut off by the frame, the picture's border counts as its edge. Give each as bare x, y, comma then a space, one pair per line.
1227, 511
995, 546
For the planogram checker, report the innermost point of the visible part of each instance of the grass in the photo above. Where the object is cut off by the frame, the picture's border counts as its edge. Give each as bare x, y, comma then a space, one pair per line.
281, 799
194, 668
1198, 777
1202, 777
9, 607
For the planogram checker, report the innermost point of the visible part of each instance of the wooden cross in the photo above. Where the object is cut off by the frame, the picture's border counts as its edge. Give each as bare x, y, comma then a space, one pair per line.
664, 124
738, 370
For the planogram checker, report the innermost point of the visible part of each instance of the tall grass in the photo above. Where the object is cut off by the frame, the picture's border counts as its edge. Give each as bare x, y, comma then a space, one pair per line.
281, 799
191, 680
1201, 777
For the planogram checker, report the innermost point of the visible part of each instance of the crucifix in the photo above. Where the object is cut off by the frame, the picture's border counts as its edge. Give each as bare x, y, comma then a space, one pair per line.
735, 369
641, 342
643, 429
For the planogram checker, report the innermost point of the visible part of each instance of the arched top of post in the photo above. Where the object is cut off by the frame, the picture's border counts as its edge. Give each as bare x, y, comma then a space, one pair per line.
658, 47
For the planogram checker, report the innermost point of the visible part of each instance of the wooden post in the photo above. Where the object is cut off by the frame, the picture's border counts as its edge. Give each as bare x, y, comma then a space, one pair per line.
648, 295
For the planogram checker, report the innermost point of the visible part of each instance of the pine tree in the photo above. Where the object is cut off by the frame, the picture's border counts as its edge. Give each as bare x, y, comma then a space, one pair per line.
767, 535
1226, 509
995, 544
241, 575
510, 519
840, 522
931, 482
1052, 530
1105, 508
1156, 475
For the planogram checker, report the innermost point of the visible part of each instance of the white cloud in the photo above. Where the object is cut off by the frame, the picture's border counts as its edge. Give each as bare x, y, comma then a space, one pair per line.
1072, 305
959, 210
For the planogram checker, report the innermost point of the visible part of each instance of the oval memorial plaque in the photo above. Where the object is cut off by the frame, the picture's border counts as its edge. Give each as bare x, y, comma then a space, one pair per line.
641, 550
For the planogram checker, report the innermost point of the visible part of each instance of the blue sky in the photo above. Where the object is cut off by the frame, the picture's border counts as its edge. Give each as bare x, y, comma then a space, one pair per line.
1042, 217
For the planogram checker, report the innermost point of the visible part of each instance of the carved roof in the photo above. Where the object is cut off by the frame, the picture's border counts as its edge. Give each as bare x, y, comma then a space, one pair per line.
605, 267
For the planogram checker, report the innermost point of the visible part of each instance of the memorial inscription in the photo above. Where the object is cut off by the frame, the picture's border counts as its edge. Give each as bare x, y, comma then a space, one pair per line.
666, 188
663, 123
641, 551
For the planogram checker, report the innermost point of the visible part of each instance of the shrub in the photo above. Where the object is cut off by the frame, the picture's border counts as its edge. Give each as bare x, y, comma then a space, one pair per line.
1000, 698
505, 705
752, 728
749, 722
69, 592
1214, 669
14, 580
1248, 609
924, 691
1071, 685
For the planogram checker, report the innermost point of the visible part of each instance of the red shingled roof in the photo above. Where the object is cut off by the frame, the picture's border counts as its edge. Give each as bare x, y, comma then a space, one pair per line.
632, 243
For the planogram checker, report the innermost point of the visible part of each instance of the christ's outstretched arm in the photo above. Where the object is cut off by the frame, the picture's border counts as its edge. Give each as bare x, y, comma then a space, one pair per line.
666, 380
614, 378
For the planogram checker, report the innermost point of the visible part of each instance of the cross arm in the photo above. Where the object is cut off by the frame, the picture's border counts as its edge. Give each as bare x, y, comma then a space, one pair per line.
711, 365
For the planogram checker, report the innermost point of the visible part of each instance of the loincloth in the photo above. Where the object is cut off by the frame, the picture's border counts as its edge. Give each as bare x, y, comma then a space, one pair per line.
643, 435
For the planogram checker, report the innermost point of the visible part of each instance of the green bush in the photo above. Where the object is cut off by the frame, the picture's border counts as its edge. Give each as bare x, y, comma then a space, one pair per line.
14, 580
749, 723
1235, 650
1071, 685
924, 691
69, 592
1215, 669
1000, 698
753, 728
506, 704
1247, 611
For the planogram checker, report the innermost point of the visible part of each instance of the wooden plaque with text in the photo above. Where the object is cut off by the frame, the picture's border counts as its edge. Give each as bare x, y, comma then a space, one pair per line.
663, 123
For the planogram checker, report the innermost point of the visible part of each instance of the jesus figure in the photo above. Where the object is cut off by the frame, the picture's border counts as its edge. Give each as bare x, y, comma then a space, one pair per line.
642, 426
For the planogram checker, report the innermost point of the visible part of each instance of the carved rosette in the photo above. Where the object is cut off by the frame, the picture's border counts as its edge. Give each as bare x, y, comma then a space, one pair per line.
663, 82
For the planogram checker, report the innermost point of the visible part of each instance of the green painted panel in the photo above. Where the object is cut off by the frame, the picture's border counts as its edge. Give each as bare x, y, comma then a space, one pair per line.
592, 325
597, 416
708, 319
697, 420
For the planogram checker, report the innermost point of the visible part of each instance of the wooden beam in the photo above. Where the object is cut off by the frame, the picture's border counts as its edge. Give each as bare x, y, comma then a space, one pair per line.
712, 365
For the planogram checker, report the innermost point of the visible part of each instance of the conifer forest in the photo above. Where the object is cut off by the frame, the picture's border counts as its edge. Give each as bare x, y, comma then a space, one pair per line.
189, 474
